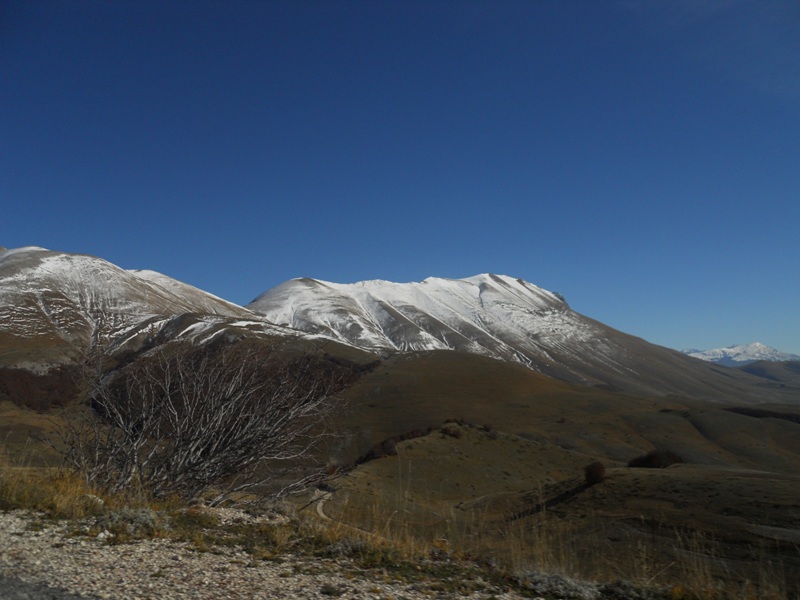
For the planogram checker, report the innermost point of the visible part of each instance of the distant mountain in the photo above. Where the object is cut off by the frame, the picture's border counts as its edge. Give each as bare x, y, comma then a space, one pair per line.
54, 305
742, 354
500, 317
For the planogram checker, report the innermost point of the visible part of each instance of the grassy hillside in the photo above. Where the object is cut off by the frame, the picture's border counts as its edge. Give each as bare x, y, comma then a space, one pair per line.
511, 485
779, 374
410, 392
499, 497
504, 484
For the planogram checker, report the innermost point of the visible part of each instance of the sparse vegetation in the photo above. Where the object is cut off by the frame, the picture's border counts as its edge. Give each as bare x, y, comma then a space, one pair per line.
450, 558
655, 459
633, 536
56, 493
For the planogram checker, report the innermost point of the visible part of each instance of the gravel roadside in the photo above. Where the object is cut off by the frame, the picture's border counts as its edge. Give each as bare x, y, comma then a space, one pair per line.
13, 588
40, 560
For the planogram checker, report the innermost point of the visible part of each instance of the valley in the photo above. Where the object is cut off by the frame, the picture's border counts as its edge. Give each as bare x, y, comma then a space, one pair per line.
465, 434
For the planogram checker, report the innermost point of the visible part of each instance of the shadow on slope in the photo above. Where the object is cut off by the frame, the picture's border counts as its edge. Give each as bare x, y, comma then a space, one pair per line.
784, 374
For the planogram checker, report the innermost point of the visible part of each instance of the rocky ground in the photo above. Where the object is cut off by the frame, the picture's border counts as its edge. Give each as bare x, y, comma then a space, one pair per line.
45, 560
55, 560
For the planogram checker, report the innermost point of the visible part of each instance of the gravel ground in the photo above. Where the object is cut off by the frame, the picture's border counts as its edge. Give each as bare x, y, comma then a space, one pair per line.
45, 562
13, 588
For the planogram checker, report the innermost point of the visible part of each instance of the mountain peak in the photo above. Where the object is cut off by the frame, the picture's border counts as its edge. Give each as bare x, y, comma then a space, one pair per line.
742, 354
357, 312
497, 316
65, 301
6, 253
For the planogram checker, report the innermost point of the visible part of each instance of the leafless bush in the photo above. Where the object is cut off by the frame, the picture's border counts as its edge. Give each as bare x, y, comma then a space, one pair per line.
185, 419
594, 472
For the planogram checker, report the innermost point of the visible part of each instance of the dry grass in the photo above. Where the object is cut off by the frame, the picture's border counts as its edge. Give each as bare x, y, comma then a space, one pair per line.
413, 392
441, 542
60, 493
43, 489
444, 499
695, 531
57, 493
694, 570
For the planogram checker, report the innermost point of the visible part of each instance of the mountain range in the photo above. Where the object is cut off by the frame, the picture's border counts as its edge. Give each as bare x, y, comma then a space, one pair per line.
477, 404
742, 354
54, 305
493, 315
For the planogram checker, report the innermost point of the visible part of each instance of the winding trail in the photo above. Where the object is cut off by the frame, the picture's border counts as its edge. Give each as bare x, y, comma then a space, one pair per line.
320, 498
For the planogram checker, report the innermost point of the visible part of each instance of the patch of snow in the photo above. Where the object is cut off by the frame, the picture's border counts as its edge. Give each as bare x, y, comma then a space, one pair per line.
8, 252
81, 299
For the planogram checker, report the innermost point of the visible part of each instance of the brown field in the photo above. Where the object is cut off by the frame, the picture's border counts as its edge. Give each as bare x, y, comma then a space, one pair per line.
510, 485
505, 485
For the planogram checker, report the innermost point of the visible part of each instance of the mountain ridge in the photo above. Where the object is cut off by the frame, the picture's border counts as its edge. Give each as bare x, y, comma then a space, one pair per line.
372, 305
738, 355
54, 306
497, 316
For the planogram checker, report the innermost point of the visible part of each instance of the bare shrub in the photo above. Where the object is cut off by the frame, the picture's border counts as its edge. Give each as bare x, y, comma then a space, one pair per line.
655, 459
389, 448
594, 472
184, 419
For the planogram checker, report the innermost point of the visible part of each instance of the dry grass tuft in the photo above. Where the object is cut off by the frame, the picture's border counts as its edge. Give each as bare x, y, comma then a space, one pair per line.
58, 493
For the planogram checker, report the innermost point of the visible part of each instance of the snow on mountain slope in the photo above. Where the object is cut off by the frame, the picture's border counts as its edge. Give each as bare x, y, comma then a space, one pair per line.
198, 298
494, 315
742, 354
503, 318
53, 303
479, 314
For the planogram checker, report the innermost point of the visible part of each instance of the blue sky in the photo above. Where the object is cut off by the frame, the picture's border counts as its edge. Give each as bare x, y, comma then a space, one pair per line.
641, 158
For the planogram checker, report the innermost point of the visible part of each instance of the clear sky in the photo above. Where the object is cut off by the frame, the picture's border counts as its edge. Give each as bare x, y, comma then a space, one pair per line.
641, 158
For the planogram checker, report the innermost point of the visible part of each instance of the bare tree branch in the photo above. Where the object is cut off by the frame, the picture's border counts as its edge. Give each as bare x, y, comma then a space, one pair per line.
185, 419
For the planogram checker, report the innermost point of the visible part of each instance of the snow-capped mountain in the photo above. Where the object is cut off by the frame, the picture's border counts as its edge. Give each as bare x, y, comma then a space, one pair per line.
485, 314
494, 315
54, 304
742, 354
